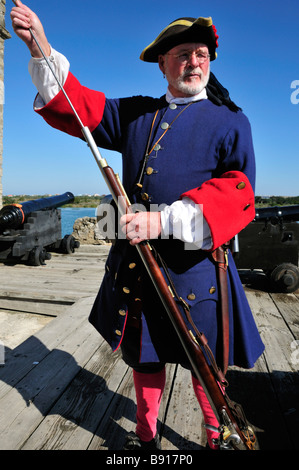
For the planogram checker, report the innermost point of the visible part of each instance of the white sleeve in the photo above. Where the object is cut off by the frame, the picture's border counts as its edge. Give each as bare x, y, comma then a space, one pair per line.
43, 78
184, 220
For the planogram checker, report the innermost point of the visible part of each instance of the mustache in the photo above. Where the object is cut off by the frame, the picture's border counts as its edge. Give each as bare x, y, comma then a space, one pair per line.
196, 71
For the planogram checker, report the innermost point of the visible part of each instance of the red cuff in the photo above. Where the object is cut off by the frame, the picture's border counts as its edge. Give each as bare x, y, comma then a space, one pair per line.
227, 204
89, 105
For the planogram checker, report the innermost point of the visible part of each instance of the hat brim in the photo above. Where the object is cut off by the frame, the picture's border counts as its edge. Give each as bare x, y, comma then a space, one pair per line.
182, 31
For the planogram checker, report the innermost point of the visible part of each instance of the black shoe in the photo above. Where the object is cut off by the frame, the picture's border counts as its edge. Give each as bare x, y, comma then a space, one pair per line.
134, 443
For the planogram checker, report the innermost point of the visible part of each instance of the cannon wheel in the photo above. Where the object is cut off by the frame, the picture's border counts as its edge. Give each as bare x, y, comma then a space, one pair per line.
38, 256
285, 277
68, 244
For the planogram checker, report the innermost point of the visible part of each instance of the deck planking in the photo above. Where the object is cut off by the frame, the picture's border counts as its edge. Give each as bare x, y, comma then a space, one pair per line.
61, 388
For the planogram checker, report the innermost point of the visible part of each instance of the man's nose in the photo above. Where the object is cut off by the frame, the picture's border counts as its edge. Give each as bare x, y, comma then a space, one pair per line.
193, 59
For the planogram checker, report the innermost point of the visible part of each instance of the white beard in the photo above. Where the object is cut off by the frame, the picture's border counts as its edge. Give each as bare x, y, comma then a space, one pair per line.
180, 85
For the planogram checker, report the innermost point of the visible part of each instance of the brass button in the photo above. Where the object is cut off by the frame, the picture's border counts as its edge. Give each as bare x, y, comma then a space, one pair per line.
122, 312
191, 296
172, 106
241, 185
144, 196
126, 290
118, 332
212, 290
164, 125
149, 170
132, 265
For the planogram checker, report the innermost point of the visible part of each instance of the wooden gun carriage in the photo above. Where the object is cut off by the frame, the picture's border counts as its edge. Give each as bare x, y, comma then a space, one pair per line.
31, 229
270, 243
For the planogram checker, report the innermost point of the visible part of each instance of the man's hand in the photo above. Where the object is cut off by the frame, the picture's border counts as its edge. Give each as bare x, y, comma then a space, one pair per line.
141, 226
22, 19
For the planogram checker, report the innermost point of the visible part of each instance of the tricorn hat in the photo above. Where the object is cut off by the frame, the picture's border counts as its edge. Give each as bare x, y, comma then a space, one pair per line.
180, 31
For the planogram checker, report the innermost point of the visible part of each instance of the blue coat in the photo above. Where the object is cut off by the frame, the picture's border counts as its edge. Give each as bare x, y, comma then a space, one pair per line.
202, 143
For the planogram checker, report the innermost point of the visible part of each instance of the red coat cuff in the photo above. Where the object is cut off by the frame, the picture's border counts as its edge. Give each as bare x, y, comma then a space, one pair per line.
89, 105
227, 204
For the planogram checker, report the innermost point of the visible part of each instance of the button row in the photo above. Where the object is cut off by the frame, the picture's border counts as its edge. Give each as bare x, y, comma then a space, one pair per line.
192, 296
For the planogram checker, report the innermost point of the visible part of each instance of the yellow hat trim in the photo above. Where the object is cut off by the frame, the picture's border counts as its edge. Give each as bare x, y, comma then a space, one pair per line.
201, 21
204, 21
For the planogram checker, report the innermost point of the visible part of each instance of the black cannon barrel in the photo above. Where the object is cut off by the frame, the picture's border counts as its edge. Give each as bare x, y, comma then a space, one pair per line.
277, 213
14, 215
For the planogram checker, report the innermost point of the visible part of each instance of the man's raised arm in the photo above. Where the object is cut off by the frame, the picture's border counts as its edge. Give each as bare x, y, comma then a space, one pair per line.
22, 19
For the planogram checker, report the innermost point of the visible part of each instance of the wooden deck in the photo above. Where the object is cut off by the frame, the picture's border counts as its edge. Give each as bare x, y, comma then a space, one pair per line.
62, 389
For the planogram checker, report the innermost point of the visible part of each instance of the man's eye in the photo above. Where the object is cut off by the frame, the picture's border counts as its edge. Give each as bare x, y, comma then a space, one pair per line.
184, 56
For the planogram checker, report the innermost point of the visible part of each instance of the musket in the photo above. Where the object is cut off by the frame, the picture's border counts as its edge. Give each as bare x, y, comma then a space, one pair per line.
235, 433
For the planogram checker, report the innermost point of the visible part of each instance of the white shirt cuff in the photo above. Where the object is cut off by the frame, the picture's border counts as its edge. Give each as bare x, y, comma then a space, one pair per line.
43, 78
184, 220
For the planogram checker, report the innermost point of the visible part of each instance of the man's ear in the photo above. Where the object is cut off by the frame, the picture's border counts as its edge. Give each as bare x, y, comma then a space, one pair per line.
161, 61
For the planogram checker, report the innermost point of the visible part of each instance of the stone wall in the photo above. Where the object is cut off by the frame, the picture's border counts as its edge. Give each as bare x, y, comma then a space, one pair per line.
87, 232
4, 34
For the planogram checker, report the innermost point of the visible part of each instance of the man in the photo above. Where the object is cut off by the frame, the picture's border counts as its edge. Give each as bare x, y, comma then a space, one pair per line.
188, 155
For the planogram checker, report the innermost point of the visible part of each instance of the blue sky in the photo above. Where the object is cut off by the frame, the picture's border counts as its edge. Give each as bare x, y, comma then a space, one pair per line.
258, 61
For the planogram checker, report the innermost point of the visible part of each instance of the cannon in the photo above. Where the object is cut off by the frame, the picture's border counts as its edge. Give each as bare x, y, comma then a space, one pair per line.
29, 231
270, 243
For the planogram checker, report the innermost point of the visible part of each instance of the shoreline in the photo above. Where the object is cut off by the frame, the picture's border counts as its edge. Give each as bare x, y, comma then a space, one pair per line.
92, 201
84, 201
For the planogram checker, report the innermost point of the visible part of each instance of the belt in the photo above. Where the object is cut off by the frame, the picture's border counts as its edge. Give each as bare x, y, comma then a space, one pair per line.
220, 257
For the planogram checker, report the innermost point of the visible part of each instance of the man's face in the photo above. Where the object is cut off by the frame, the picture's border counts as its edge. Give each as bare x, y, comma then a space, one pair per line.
187, 68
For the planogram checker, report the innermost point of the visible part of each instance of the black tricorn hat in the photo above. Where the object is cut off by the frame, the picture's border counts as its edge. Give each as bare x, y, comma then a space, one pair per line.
180, 31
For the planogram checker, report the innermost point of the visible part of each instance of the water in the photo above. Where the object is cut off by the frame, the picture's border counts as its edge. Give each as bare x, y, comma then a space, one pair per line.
70, 214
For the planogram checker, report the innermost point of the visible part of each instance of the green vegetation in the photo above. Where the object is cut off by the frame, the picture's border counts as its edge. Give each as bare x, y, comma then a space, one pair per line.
271, 201
80, 201
94, 201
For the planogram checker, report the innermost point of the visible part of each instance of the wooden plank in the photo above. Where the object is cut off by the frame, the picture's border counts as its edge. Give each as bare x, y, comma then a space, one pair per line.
70, 277
76, 264
78, 395
72, 422
183, 422
16, 326
58, 286
58, 295
74, 267
288, 306
284, 376
49, 275
41, 306
20, 361
67, 261
120, 419
25, 405
45, 289
287, 381
275, 335
255, 391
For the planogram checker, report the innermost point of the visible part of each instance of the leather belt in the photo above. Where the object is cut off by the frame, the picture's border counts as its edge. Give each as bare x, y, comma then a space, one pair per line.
220, 257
